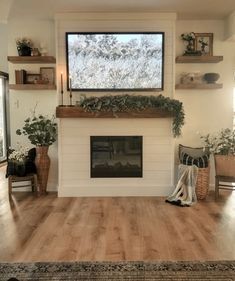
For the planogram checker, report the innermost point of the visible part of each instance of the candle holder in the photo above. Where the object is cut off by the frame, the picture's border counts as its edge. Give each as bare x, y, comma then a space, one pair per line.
70, 99
62, 90
62, 98
70, 92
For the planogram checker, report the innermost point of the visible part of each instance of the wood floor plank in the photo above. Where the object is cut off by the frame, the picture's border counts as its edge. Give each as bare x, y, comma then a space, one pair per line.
123, 228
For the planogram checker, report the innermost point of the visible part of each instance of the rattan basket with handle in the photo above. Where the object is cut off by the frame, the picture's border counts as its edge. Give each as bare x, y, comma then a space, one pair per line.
202, 185
203, 177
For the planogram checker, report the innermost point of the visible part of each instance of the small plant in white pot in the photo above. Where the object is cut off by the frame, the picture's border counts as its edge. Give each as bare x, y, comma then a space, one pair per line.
41, 132
222, 146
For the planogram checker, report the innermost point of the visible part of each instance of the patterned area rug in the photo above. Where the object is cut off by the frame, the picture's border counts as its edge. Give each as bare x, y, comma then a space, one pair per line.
104, 271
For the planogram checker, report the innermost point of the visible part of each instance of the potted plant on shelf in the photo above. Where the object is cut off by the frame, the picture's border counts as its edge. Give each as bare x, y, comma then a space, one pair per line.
42, 133
24, 46
222, 146
190, 47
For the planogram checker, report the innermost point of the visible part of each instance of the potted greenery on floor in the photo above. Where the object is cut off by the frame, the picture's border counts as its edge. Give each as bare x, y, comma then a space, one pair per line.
42, 133
222, 146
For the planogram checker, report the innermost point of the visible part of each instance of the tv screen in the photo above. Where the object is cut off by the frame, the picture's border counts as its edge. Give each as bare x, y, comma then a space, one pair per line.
115, 61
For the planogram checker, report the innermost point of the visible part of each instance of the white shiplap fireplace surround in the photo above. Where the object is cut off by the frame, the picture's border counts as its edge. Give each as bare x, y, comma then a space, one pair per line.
74, 133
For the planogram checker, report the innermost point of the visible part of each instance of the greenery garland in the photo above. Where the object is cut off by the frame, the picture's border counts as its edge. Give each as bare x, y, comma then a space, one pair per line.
127, 103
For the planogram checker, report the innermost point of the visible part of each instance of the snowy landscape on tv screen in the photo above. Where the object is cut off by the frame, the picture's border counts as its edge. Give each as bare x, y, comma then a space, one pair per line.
115, 61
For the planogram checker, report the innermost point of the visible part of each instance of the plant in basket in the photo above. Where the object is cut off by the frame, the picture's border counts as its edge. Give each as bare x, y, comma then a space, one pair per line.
42, 132
222, 146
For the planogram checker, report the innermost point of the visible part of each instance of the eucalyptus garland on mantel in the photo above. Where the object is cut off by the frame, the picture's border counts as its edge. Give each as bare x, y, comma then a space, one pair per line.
128, 103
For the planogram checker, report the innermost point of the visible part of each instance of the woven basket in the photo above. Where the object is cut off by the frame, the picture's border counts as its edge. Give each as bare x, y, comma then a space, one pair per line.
202, 185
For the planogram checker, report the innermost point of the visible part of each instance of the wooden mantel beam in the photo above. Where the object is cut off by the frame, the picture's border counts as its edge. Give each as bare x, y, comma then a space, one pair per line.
78, 112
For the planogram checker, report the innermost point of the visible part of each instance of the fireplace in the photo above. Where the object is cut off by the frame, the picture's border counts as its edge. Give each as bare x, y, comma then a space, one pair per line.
116, 156
157, 157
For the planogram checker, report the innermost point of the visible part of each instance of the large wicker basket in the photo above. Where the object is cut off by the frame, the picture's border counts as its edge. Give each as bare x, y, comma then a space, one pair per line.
202, 185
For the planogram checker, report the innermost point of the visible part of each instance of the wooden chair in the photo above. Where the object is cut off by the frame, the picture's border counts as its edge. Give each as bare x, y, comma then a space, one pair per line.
32, 178
223, 182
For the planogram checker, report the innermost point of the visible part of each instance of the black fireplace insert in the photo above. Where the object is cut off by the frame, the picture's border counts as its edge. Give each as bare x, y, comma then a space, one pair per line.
116, 156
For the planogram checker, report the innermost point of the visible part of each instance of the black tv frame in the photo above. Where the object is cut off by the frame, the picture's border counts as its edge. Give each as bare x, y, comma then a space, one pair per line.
111, 89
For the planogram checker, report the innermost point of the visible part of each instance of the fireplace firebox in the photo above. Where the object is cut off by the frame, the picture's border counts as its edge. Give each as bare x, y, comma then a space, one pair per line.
116, 156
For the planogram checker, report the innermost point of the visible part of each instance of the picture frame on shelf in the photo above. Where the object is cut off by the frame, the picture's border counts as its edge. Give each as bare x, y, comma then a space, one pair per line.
32, 78
204, 43
48, 75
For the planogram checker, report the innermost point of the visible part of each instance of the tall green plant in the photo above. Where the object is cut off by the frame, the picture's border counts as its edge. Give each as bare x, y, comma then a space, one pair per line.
41, 131
126, 103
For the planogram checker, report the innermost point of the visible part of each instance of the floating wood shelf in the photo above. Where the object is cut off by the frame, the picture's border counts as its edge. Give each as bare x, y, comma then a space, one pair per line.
202, 86
32, 87
78, 112
33, 59
198, 59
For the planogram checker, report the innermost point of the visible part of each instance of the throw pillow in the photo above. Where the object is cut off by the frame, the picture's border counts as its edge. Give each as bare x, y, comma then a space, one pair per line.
200, 162
194, 152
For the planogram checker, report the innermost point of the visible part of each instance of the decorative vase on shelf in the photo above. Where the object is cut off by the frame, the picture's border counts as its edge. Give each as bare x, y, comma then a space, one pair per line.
211, 78
190, 46
42, 162
24, 50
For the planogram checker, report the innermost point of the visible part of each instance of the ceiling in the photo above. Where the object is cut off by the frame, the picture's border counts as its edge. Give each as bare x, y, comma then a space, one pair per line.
185, 9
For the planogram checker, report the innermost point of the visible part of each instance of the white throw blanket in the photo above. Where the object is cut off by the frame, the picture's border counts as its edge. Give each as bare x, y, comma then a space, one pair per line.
184, 193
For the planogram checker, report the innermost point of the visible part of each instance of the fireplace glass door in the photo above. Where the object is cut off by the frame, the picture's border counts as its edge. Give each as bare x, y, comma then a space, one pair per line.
116, 156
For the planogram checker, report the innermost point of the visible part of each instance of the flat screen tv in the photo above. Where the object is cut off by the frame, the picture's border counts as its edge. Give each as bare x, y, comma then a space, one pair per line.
118, 61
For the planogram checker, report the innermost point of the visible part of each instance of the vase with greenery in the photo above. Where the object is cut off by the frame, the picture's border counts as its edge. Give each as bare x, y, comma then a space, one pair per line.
222, 146
190, 39
41, 132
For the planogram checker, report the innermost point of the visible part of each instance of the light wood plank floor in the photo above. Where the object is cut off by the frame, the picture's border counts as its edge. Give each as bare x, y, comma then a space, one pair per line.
137, 228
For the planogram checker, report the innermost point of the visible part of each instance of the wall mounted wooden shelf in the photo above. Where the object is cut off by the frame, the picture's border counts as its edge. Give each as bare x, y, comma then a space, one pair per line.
201, 86
78, 112
29, 60
32, 87
198, 59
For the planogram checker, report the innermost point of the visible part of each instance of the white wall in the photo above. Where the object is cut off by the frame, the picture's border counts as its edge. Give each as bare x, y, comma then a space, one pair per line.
3, 48
23, 102
230, 27
206, 111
